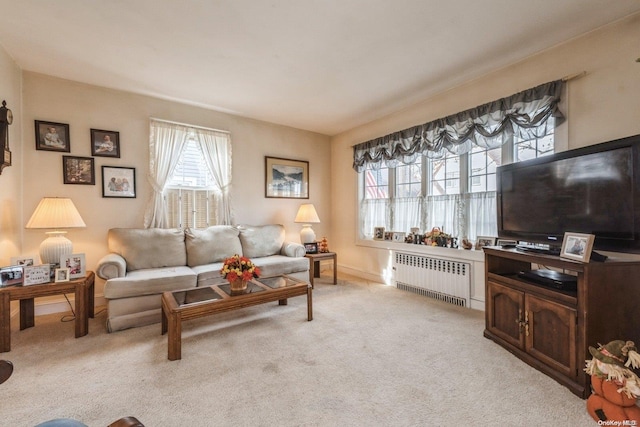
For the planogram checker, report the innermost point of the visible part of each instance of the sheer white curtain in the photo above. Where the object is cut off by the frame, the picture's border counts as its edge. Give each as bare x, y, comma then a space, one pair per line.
216, 147
445, 213
374, 213
482, 214
166, 141
407, 213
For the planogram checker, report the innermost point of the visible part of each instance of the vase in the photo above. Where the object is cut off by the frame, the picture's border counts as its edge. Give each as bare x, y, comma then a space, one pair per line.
238, 286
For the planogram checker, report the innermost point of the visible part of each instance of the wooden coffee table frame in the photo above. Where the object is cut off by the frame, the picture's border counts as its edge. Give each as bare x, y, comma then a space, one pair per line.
84, 292
173, 314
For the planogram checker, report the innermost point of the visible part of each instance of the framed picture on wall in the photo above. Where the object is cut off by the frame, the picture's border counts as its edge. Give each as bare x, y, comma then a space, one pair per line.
78, 170
286, 178
105, 143
118, 182
52, 136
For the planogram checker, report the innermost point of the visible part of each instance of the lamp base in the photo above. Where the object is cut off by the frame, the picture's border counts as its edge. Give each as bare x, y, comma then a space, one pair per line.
54, 246
307, 234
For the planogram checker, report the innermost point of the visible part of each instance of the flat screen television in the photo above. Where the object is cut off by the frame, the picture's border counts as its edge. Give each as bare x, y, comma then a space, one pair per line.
592, 190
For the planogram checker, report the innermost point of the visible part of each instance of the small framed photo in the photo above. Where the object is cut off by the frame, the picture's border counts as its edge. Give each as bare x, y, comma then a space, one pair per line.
118, 182
62, 275
52, 136
378, 233
483, 241
78, 170
76, 264
36, 274
311, 248
11, 276
398, 236
24, 260
105, 143
388, 236
286, 178
577, 246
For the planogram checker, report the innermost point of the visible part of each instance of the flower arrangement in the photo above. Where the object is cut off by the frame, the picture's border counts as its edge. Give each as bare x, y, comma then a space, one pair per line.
239, 267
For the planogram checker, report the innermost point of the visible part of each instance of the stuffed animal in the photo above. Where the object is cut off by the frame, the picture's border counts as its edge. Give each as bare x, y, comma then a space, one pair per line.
616, 388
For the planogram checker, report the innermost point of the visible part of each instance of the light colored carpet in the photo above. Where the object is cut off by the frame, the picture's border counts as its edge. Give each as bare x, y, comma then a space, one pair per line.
372, 356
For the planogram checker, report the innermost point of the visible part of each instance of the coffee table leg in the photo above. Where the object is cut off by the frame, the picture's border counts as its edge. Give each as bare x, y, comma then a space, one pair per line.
5, 322
309, 305
175, 336
283, 302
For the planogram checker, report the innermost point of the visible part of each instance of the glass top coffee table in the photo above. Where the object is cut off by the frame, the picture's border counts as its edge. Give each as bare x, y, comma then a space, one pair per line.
199, 302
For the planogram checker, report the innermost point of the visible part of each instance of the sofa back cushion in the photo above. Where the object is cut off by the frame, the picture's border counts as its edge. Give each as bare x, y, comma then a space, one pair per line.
213, 244
148, 247
261, 240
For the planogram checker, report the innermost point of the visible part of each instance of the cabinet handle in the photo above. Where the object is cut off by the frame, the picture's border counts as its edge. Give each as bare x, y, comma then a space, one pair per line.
519, 320
526, 323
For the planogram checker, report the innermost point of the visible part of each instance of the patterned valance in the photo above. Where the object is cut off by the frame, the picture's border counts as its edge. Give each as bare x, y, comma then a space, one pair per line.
524, 115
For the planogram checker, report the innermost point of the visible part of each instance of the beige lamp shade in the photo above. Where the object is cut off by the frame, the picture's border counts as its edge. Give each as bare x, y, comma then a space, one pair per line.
55, 213
307, 214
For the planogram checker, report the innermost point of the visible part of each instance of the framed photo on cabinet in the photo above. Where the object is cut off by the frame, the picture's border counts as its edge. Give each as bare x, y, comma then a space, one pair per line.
577, 246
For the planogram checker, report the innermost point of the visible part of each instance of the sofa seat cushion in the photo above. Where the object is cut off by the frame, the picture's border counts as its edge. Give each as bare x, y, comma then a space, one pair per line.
261, 241
209, 274
150, 281
148, 247
212, 244
275, 265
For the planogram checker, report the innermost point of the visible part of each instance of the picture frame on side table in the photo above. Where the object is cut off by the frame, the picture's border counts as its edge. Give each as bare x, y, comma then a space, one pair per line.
577, 246
24, 260
76, 264
118, 181
51, 136
62, 275
105, 143
11, 276
78, 170
286, 178
311, 248
483, 241
378, 233
36, 274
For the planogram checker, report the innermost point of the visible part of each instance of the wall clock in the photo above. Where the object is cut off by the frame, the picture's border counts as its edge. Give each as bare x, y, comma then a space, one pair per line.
6, 118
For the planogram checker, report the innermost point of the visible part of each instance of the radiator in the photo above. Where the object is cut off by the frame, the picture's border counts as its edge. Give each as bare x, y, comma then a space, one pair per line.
441, 279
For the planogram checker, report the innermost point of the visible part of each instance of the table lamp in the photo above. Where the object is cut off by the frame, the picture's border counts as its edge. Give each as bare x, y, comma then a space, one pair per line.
55, 213
306, 215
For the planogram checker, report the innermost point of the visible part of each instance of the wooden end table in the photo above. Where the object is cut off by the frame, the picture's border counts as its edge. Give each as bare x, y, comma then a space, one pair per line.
83, 289
314, 265
193, 303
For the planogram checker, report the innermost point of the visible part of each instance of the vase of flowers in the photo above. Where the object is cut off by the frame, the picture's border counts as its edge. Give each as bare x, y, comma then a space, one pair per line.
239, 270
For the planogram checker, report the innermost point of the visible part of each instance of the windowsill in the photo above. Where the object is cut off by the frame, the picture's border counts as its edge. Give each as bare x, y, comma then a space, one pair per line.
436, 251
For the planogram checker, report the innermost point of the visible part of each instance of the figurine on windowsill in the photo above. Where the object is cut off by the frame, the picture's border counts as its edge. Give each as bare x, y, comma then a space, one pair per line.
323, 247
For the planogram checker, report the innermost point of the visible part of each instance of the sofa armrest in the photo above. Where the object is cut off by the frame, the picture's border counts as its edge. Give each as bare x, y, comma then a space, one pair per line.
111, 266
293, 250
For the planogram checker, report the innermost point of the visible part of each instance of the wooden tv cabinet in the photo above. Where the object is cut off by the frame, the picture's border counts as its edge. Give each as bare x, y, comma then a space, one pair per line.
552, 329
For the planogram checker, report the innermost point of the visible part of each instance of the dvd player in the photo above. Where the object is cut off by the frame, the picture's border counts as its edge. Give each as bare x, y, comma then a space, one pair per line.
554, 279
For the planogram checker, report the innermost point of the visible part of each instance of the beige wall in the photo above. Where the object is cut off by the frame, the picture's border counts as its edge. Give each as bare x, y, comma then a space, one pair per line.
84, 107
601, 106
10, 179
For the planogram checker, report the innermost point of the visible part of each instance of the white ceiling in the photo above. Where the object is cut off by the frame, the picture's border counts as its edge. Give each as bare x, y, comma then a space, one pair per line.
321, 65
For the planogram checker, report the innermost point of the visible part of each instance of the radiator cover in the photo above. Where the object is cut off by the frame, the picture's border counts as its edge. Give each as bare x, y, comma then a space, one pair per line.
442, 279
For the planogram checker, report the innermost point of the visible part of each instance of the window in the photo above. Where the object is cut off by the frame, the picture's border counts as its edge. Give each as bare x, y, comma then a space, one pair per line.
460, 190
190, 170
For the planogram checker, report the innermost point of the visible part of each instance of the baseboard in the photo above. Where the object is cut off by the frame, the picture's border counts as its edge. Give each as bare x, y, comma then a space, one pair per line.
359, 273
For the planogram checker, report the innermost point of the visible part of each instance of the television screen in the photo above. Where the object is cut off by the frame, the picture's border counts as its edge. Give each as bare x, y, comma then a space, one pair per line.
590, 190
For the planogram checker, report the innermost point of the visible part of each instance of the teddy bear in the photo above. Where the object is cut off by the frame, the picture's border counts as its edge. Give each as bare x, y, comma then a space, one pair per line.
616, 388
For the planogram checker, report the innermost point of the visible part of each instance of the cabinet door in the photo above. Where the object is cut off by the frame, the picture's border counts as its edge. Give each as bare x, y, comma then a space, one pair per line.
506, 316
551, 334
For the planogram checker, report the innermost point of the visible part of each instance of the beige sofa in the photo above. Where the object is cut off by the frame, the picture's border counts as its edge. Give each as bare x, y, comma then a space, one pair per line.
144, 263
